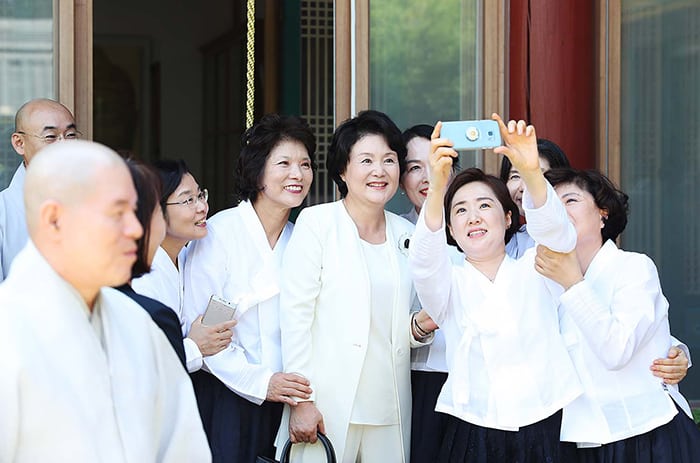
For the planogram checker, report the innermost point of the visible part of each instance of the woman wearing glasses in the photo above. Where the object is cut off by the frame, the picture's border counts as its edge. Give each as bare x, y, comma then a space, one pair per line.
185, 209
241, 389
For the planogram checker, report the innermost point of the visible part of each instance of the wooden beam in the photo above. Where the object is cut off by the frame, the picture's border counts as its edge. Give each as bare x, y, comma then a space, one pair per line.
361, 55
493, 56
343, 69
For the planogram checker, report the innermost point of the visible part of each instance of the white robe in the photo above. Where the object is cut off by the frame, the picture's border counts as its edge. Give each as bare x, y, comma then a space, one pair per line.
81, 387
13, 224
503, 340
615, 323
165, 283
234, 261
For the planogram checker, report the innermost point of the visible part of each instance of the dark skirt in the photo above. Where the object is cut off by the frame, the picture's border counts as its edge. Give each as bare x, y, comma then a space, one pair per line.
427, 425
678, 441
237, 429
469, 443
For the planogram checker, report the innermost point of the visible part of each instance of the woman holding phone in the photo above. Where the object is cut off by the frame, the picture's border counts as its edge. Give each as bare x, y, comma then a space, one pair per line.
241, 390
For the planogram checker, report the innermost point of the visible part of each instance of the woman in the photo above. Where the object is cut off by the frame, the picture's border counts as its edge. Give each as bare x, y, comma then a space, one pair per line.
150, 216
345, 302
498, 314
184, 205
615, 320
671, 369
240, 394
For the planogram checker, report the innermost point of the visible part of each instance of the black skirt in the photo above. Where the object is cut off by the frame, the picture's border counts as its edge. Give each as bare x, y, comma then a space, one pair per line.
237, 429
678, 441
427, 425
469, 443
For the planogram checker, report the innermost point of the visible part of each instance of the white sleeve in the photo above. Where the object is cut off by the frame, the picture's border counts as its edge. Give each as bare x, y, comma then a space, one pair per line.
615, 329
549, 224
193, 357
300, 287
206, 273
431, 268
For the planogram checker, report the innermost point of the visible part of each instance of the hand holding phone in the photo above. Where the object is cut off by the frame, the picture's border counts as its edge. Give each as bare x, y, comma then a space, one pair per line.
472, 135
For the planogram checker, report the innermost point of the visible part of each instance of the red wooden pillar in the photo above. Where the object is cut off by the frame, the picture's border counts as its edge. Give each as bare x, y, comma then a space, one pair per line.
552, 73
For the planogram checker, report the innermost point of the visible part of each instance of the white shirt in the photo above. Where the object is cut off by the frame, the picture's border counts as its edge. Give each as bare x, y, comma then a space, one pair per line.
165, 283
84, 387
366, 409
503, 340
13, 223
615, 323
234, 261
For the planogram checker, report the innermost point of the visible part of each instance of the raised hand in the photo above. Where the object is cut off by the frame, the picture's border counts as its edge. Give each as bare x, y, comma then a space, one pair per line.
440, 160
520, 144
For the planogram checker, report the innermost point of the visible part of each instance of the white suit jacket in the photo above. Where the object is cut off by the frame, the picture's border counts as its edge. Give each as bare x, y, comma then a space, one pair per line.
13, 224
325, 316
69, 395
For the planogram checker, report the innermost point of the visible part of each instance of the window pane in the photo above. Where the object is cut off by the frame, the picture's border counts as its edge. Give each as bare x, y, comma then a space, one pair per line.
26, 67
424, 64
660, 153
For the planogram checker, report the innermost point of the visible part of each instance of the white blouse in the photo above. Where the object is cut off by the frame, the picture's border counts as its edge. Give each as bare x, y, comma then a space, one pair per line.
508, 364
235, 261
615, 323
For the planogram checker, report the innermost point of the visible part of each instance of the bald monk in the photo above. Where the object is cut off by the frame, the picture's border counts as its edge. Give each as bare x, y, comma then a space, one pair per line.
85, 375
38, 123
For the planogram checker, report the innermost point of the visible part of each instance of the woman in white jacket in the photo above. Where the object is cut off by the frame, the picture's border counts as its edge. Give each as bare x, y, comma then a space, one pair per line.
345, 301
614, 319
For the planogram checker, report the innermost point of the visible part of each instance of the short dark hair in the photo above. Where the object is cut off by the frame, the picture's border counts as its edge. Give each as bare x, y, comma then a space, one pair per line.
425, 131
548, 150
348, 133
499, 189
148, 189
605, 195
170, 173
259, 140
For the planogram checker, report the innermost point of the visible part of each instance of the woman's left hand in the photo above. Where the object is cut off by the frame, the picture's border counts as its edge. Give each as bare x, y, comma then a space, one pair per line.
563, 268
673, 368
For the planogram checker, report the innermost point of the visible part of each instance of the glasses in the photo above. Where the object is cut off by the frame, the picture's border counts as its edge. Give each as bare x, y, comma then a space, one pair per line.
52, 137
192, 201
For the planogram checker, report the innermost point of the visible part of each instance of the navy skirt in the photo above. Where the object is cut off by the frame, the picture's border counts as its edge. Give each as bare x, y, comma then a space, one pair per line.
427, 425
469, 443
238, 430
678, 441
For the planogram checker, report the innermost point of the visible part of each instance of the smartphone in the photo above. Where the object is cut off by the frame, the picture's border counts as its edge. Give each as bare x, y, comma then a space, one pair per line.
472, 135
218, 310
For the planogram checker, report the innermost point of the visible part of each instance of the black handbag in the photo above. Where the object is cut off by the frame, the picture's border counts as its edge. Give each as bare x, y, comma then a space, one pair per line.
287, 449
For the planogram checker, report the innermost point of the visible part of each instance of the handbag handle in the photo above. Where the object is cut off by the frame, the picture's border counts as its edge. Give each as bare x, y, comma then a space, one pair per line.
330, 452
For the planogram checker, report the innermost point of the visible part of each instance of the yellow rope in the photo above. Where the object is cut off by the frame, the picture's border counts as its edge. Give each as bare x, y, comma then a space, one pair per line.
250, 64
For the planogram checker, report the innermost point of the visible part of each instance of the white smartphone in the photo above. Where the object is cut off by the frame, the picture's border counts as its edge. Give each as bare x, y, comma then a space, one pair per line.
218, 310
472, 135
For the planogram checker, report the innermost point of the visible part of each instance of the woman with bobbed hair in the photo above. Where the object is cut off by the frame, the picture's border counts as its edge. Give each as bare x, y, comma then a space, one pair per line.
345, 302
498, 315
150, 216
614, 318
241, 390
185, 208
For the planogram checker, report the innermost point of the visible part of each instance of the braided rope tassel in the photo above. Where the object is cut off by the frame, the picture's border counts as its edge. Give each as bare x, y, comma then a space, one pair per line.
250, 63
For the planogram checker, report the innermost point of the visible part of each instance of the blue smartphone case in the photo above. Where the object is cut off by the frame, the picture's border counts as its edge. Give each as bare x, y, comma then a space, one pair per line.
472, 135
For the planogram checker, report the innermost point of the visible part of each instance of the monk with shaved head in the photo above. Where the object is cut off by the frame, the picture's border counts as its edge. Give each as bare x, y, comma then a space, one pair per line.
38, 123
86, 375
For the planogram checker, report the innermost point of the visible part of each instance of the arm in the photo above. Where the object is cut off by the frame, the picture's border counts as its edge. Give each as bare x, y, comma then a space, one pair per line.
428, 256
616, 328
